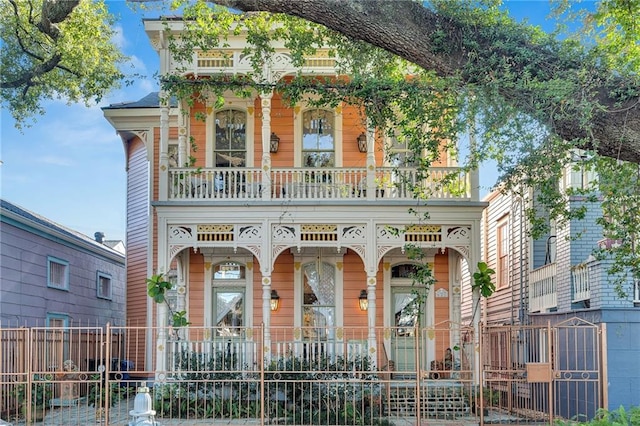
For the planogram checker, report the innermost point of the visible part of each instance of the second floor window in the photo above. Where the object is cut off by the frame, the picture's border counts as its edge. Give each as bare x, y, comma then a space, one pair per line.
400, 155
318, 139
231, 139
104, 286
503, 254
57, 273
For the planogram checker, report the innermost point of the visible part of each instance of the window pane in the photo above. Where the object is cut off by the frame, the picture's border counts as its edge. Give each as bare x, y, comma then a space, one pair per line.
172, 152
229, 312
503, 255
56, 322
228, 271
230, 144
318, 159
104, 286
58, 274
399, 154
318, 311
404, 271
317, 322
231, 159
406, 312
318, 143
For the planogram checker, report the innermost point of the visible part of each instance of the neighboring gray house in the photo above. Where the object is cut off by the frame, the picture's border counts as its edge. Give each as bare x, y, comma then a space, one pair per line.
555, 278
53, 276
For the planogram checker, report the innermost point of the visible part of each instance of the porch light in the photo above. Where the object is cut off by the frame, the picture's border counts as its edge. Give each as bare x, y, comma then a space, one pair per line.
363, 301
275, 300
274, 142
362, 142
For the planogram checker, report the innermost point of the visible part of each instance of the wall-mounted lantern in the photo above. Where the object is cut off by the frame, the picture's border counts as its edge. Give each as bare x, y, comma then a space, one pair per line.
363, 301
362, 142
274, 142
274, 303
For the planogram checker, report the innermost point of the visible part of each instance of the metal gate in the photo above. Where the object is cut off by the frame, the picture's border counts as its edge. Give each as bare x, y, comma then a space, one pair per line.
539, 373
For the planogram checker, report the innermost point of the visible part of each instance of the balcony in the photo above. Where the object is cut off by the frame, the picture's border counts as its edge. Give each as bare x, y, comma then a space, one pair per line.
542, 289
200, 184
581, 283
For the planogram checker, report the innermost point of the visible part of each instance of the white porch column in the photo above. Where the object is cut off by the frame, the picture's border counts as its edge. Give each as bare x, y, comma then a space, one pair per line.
371, 163
163, 167
183, 115
266, 314
371, 314
161, 308
181, 290
265, 102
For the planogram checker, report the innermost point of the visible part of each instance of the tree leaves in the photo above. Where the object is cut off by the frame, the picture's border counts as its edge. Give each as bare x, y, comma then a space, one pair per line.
482, 280
157, 287
55, 50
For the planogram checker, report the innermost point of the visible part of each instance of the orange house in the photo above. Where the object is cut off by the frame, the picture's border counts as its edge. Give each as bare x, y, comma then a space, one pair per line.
262, 204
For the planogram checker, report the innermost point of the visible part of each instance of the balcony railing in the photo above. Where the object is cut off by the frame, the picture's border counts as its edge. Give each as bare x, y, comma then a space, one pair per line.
542, 289
581, 283
311, 184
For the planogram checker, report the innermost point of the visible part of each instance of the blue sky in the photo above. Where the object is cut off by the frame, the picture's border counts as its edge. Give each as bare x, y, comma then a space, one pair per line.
69, 166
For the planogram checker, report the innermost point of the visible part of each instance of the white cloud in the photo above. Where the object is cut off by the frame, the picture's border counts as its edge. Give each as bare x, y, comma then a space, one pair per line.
137, 64
148, 86
55, 161
118, 38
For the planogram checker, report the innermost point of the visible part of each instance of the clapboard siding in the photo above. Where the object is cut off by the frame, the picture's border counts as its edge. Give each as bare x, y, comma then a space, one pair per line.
137, 232
27, 241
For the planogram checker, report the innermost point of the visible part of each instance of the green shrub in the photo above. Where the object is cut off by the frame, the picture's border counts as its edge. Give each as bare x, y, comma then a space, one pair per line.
619, 417
98, 392
214, 386
323, 391
207, 386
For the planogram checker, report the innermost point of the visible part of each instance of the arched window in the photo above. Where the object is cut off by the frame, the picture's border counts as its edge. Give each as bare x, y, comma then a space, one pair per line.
231, 138
318, 139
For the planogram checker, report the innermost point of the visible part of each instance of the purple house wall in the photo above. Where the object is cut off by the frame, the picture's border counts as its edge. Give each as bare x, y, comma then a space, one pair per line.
52, 275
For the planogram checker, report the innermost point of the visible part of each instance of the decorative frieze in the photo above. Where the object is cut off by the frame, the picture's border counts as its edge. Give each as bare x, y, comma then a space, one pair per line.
253, 237
319, 232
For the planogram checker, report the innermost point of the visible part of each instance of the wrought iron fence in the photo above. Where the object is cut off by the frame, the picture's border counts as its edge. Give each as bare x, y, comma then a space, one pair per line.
304, 376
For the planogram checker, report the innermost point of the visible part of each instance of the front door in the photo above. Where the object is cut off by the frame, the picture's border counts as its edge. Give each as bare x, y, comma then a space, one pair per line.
407, 311
229, 327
